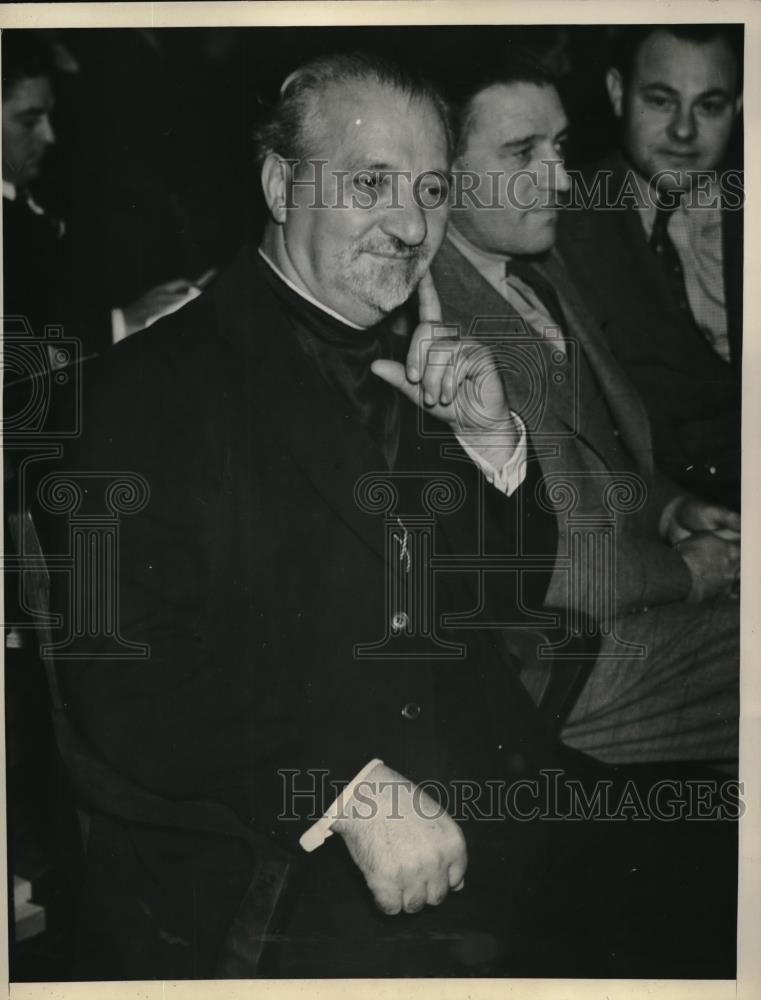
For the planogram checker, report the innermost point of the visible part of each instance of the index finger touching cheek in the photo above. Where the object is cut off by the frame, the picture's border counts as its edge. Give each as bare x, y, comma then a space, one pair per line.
429, 307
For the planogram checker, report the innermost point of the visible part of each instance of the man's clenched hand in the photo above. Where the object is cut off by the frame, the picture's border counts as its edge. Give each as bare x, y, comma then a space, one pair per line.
690, 515
410, 851
714, 565
707, 536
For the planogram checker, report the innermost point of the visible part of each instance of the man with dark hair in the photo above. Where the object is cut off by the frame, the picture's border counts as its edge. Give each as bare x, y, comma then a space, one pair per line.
658, 250
37, 268
656, 569
304, 466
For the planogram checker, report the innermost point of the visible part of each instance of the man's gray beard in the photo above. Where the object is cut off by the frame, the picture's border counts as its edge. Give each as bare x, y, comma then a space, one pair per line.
383, 284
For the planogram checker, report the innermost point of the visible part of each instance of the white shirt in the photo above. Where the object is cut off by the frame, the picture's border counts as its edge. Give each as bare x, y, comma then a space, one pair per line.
695, 231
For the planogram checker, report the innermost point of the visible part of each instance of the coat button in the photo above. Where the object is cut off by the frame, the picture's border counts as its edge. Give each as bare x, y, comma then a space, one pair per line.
399, 620
411, 711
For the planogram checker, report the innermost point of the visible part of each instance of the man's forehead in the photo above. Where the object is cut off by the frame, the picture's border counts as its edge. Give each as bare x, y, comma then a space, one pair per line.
29, 94
506, 111
369, 120
684, 64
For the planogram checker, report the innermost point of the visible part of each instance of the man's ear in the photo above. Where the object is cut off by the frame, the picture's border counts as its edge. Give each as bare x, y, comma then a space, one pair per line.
275, 186
615, 86
738, 104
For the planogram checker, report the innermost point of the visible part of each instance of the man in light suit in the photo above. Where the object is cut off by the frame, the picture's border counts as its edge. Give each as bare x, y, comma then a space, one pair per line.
654, 565
654, 239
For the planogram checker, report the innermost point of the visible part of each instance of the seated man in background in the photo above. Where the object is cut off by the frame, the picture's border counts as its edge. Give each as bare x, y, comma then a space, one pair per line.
654, 239
37, 272
290, 450
655, 566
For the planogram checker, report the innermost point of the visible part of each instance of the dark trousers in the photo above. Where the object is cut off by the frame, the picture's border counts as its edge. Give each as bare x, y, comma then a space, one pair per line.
545, 899
551, 897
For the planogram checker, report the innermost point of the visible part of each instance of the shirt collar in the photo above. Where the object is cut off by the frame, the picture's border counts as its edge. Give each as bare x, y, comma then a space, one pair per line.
305, 295
693, 214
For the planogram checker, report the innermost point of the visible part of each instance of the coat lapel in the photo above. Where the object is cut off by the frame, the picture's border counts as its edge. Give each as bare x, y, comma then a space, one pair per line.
293, 403
627, 409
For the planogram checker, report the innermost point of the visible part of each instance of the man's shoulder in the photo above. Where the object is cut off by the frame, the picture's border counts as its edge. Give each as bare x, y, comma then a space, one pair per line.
448, 264
187, 364
596, 218
207, 337
459, 285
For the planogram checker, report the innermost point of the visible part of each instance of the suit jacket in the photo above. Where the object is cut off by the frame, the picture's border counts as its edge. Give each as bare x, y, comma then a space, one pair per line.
589, 426
254, 572
37, 281
692, 395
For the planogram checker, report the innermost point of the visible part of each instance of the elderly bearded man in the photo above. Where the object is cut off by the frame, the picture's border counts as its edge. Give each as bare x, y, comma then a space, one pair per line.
259, 577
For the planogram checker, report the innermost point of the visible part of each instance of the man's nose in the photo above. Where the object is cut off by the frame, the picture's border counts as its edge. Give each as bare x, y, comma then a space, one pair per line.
555, 176
45, 132
682, 125
406, 220
560, 179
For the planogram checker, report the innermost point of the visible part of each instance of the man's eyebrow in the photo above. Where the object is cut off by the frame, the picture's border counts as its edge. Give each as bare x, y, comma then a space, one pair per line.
713, 92
520, 141
359, 163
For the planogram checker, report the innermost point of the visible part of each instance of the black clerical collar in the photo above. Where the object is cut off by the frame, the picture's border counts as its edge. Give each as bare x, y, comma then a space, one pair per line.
343, 355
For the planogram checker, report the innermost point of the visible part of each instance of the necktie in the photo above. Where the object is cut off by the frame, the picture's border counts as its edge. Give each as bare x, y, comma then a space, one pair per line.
666, 253
592, 404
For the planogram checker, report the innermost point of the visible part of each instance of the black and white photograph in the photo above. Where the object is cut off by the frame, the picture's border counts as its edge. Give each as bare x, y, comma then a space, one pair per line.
372, 447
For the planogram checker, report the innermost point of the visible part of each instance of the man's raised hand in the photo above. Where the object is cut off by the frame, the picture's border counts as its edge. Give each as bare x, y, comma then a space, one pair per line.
455, 380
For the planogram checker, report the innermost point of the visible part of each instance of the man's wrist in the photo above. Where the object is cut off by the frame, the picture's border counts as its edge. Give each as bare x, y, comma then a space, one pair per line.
501, 454
319, 832
667, 518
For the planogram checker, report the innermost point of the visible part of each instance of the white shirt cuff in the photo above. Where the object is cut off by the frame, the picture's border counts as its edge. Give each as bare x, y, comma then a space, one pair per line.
118, 326
513, 472
319, 832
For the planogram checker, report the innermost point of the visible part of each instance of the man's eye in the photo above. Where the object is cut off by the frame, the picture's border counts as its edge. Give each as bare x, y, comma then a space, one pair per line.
659, 101
713, 107
561, 148
523, 154
369, 179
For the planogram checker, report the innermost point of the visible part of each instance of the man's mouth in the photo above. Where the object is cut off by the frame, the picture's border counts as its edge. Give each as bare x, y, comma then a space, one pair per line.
393, 255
